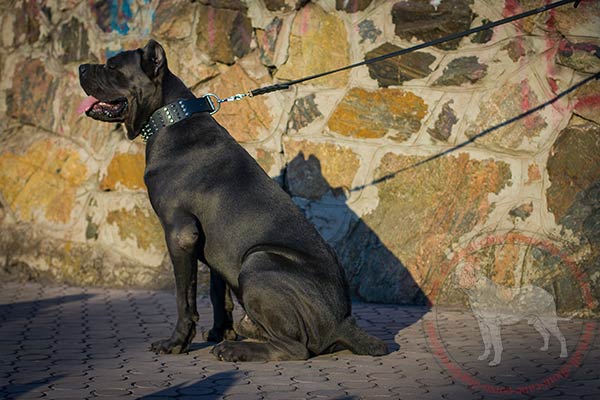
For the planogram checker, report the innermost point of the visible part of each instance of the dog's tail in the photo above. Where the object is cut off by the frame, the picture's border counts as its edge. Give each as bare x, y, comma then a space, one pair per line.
358, 341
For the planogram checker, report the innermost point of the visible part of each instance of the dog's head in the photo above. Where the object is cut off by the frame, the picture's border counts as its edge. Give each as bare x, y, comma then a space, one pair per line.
127, 89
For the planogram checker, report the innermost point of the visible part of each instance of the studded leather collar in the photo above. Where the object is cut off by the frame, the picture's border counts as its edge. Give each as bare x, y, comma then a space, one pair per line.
175, 112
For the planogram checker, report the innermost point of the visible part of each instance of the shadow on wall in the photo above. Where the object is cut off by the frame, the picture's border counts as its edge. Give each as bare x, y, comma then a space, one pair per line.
374, 273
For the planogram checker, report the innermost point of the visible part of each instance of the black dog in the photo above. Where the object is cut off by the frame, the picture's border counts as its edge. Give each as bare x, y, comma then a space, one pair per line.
218, 206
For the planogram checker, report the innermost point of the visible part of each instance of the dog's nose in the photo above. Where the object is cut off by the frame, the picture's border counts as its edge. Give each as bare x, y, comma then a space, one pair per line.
83, 69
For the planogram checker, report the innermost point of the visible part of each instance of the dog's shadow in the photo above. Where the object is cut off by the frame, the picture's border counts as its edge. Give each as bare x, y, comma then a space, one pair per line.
374, 273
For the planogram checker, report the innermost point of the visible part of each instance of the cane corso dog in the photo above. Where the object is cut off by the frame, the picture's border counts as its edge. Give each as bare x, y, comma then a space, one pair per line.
218, 206
495, 305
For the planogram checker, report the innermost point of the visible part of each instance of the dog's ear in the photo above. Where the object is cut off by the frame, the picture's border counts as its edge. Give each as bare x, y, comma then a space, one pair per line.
154, 60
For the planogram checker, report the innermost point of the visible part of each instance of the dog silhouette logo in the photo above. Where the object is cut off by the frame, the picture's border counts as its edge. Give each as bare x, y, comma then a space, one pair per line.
495, 305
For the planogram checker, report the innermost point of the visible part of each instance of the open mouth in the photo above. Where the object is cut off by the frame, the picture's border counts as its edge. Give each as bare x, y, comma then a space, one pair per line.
110, 111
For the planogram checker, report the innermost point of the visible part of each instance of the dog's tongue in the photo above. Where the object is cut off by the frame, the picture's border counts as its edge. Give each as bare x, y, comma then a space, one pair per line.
86, 104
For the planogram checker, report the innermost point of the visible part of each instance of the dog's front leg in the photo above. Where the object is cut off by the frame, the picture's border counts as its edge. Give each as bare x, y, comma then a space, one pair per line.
487, 339
220, 297
182, 242
496, 343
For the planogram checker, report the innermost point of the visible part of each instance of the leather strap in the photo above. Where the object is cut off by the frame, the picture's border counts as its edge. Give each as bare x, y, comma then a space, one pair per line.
175, 112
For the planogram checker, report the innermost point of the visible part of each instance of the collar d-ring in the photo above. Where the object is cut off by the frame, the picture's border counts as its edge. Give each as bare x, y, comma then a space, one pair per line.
216, 104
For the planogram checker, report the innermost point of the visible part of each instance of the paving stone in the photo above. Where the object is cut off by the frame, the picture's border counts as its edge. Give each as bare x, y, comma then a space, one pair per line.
286, 396
70, 385
28, 395
276, 388
242, 396
357, 384
328, 394
122, 366
310, 378
111, 393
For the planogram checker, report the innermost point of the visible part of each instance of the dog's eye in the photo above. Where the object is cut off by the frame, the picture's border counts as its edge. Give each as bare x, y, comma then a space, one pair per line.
110, 65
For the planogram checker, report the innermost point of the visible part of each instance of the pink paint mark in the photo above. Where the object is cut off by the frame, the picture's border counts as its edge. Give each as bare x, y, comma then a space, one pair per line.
512, 7
553, 84
589, 101
305, 20
526, 103
212, 31
553, 42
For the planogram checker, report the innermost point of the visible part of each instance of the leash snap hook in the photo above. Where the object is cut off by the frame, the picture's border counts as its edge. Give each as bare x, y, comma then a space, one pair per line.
235, 97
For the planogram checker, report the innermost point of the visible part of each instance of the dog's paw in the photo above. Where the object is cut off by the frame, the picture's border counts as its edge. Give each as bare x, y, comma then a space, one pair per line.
564, 354
168, 346
231, 351
217, 336
494, 362
544, 347
484, 356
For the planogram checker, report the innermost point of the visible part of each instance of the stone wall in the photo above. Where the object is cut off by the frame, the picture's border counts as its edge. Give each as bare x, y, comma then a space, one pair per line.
521, 202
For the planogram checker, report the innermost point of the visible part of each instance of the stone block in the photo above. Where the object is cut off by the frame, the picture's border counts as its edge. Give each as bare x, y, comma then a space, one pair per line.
462, 70
267, 41
578, 21
368, 114
424, 21
27, 23
113, 16
587, 101
140, 225
508, 102
444, 123
284, 5
574, 165
32, 93
352, 6
173, 19
396, 70
125, 171
74, 42
303, 113
223, 34
309, 54
581, 56
41, 185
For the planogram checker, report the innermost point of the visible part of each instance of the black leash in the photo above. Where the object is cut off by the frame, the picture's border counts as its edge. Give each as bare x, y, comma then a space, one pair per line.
481, 134
173, 113
489, 25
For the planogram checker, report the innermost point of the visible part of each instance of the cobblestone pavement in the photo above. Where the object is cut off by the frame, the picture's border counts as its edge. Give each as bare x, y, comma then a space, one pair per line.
62, 342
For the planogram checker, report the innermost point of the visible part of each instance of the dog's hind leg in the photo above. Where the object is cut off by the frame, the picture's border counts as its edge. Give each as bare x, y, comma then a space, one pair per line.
222, 303
274, 322
358, 341
276, 309
487, 339
260, 351
539, 326
248, 329
281, 341
552, 325
182, 242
